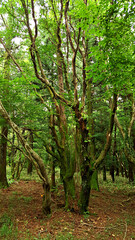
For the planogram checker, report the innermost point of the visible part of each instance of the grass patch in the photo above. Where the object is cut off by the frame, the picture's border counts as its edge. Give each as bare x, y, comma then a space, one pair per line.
31, 177
16, 193
130, 220
14, 199
7, 229
24, 176
25, 199
65, 236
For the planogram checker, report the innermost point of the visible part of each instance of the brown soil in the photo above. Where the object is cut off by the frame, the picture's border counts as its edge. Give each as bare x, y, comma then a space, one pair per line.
112, 215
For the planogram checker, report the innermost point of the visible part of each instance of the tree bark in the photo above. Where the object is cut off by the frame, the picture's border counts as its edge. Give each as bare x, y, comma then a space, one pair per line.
89, 163
104, 173
30, 165
53, 183
131, 172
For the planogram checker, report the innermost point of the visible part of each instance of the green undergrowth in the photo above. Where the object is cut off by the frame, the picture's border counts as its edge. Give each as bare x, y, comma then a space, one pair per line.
24, 176
60, 236
7, 229
15, 197
29, 177
120, 184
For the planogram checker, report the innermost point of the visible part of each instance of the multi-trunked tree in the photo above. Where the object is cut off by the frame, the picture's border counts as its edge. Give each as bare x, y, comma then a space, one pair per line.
79, 34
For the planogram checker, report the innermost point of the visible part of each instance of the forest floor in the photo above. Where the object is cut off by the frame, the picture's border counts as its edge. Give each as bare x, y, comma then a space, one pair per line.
111, 214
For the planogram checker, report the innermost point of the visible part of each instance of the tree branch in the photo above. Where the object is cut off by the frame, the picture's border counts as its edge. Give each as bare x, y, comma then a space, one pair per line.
7, 50
132, 118
109, 133
35, 21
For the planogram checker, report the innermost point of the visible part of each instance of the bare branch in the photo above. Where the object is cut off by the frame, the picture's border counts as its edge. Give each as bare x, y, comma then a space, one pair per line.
66, 23
27, 19
4, 21
132, 119
54, 11
119, 126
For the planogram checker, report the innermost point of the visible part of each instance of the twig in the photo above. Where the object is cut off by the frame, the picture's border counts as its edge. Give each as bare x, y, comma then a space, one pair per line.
94, 226
125, 231
127, 200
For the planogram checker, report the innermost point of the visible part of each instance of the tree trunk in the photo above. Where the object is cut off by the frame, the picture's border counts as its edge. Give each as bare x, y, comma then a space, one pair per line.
104, 173
131, 172
12, 157
94, 181
53, 183
86, 175
46, 199
19, 167
3, 155
69, 190
121, 169
112, 172
67, 170
30, 165
4, 129
112, 168
126, 172
87, 152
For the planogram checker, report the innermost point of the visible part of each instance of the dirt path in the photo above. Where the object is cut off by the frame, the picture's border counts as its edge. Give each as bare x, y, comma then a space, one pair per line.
112, 215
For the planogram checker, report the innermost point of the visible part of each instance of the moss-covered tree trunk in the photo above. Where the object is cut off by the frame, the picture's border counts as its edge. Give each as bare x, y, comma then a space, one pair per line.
67, 170
94, 181
88, 151
66, 162
89, 163
86, 175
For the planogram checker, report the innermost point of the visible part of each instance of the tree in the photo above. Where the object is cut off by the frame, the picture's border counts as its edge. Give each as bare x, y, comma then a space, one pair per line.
4, 127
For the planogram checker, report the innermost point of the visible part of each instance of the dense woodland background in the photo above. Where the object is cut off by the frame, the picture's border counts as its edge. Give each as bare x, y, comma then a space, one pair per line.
67, 93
